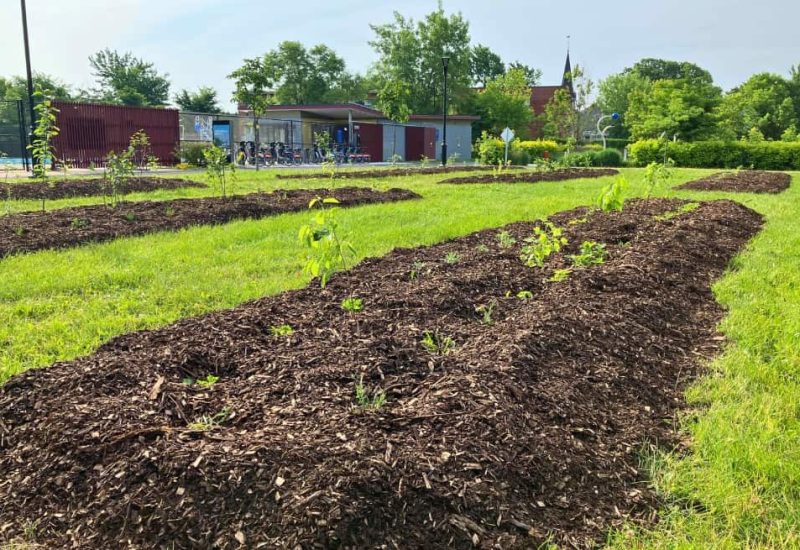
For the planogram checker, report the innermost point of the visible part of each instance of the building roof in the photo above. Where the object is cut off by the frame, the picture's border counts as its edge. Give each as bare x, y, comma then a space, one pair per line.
340, 110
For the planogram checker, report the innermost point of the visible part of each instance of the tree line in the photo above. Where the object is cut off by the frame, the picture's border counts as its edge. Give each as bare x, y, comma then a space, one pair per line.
654, 97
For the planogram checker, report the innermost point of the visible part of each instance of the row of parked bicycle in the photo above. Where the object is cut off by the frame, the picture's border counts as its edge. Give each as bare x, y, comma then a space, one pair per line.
278, 153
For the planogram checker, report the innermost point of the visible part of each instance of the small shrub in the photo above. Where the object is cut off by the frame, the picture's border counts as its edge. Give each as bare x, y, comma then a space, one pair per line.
486, 311
363, 399
416, 269
436, 344
545, 242
79, 223
506, 240
560, 275
217, 168
353, 304
452, 258
192, 154
767, 155
606, 157
611, 198
591, 253
328, 249
281, 330
656, 176
208, 382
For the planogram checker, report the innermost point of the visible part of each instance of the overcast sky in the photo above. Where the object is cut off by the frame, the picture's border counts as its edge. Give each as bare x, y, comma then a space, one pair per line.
199, 42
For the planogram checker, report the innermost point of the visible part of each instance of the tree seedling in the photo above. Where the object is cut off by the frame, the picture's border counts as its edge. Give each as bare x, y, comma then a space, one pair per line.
483, 248
416, 269
217, 168
452, 258
436, 344
363, 399
506, 240
281, 330
328, 250
545, 242
353, 304
208, 382
560, 275
525, 295
611, 199
208, 422
591, 253
79, 223
486, 312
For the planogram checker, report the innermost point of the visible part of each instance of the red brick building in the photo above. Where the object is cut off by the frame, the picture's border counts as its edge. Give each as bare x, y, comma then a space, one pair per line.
541, 96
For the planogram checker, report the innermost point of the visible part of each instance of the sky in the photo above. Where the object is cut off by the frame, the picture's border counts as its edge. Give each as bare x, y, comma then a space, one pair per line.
199, 42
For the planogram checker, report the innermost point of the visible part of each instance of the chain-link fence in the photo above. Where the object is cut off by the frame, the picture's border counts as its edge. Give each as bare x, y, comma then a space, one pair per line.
13, 134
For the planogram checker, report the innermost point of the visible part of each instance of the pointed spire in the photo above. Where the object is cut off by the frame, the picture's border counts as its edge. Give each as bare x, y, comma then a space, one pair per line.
566, 80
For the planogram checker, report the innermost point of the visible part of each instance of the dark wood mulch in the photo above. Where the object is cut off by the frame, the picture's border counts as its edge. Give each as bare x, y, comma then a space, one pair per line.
744, 181
88, 187
355, 173
68, 227
534, 177
531, 427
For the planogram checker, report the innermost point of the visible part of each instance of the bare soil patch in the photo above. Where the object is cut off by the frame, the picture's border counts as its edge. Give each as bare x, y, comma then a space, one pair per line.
744, 181
88, 187
387, 173
68, 227
529, 427
534, 177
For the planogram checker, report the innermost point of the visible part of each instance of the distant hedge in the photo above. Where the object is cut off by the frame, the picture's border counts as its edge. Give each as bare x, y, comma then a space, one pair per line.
767, 155
491, 150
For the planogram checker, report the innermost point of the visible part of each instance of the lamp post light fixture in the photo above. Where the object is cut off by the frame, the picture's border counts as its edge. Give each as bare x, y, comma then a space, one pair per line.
614, 117
445, 63
29, 72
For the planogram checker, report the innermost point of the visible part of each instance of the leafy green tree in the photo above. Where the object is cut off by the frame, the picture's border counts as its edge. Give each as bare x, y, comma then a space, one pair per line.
794, 86
393, 101
253, 83
662, 69
506, 102
683, 107
559, 116
412, 52
763, 102
128, 80
204, 100
532, 76
614, 92
485, 65
16, 87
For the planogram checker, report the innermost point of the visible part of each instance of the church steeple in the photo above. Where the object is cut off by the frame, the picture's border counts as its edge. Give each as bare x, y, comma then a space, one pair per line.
566, 80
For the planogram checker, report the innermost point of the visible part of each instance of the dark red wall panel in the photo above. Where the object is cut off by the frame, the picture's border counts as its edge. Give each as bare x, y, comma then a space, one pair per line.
90, 131
371, 140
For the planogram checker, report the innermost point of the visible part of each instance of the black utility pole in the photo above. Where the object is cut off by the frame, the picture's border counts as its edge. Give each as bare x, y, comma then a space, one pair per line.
28, 68
445, 63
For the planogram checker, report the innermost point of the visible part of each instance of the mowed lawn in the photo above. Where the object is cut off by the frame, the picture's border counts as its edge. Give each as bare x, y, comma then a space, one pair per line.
738, 487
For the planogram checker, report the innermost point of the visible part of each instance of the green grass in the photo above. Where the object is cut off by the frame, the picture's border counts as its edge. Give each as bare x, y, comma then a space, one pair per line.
744, 467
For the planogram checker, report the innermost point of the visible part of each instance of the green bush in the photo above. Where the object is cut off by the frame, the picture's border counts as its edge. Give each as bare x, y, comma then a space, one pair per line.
617, 143
766, 155
492, 150
192, 153
537, 149
607, 157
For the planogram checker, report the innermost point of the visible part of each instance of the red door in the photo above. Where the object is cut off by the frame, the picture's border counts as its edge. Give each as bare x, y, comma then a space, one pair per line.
371, 140
415, 142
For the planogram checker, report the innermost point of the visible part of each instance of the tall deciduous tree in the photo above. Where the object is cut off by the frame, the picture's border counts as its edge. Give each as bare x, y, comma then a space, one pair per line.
412, 52
128, 80
506, 102
393, 100
663, 69
485, 65
763, 102
532, 76
253, 83
614, 93
683, 107
204, 100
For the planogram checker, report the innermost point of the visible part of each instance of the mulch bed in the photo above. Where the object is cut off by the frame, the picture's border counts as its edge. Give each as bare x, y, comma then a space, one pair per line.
88, 187
534, 177
388, 173
530, 427
744, 181
68, 227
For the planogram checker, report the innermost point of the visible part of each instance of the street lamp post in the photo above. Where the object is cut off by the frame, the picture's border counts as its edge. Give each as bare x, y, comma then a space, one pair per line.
28, 69
445, 63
